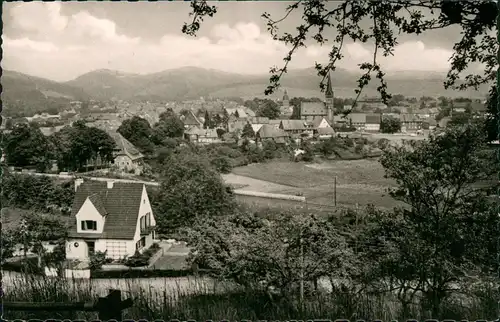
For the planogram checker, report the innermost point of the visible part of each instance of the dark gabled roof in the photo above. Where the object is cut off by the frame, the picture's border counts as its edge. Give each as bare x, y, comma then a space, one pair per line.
121, 204
293, 125
373, 118
460, 104
259, 120
313, 108
270, 131
317, 122
410, 118
124, 146
478, 107
191, 119
326, 131
357, 117
98, 204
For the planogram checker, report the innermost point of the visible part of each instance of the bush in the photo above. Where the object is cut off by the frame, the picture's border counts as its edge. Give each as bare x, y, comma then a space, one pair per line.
141, 260
359, 148
382, 143
138, 260
349, 142
98, 259
222, 164
23, 265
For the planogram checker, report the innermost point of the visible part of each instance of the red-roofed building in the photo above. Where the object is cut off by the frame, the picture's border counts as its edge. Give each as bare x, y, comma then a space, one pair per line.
112, 217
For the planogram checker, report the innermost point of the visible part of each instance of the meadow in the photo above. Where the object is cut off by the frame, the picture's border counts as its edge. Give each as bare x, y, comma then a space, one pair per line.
197, 298
359, 182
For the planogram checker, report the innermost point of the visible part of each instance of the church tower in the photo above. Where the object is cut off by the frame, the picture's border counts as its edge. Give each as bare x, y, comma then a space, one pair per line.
285, 109
330, 108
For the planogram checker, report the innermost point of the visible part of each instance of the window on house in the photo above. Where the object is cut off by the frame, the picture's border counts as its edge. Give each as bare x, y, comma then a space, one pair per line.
143, 222
89, 225
148, 219
91, 247
140, 243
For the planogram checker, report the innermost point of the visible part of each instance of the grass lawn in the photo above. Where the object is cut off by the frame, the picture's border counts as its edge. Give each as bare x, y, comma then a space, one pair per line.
359, 182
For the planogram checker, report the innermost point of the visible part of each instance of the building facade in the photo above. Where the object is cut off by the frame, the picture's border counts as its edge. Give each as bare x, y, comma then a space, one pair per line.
111, 217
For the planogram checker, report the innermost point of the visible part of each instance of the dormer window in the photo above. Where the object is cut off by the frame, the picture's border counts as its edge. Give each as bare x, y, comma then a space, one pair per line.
89, 225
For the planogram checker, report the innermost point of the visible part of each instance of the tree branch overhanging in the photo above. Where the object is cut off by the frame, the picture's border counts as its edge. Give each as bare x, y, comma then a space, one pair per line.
475, 18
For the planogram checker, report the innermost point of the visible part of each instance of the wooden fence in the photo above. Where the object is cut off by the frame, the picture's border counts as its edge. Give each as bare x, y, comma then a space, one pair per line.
108, 308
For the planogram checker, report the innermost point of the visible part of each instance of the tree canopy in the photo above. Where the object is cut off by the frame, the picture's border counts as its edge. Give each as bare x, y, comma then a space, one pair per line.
138, 131
390, 125
169, 126
27, 146
190, 190
77, 145
446, 184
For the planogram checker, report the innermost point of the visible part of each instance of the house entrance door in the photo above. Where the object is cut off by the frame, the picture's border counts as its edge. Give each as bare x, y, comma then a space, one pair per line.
90, 248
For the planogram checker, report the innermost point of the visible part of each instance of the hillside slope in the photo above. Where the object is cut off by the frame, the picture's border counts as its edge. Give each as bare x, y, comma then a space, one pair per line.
24, 92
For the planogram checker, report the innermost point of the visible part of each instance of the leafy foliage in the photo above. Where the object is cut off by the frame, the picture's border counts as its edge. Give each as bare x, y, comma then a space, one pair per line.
390, 125
78, 145
446, 231
138, 131
267, 108
169, 126
388, 19
36, 193
98, 259
27, 146
190, 189
247, 131
278, 253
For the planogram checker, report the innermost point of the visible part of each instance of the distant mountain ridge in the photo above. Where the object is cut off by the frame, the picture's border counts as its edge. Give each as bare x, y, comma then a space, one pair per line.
193, 82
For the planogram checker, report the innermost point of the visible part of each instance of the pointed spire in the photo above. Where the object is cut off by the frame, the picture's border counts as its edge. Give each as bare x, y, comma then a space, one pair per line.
285, 96
329, 90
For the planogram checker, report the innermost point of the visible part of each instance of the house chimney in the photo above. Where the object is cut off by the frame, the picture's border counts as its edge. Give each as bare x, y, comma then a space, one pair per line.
110, 184
78, 182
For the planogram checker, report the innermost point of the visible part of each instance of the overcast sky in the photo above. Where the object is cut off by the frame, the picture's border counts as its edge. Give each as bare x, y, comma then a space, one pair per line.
61, 41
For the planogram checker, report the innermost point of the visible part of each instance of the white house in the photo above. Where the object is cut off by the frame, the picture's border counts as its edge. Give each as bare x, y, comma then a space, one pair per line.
109, 216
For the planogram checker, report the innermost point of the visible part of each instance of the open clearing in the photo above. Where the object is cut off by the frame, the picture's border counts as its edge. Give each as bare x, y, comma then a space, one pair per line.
359, 182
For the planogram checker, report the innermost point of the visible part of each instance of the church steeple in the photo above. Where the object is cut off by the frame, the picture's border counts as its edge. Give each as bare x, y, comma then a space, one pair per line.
329, 102
329, 90
285, 108
285, 96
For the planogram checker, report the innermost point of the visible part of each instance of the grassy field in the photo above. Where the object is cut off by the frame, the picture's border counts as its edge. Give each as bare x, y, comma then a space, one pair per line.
206, 299
359, 182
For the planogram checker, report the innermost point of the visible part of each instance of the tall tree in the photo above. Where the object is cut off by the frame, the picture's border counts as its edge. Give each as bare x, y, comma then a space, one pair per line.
138, 131
225, 120
79, 144
446, 231
268, 108
169, 126
247, 131
208, 122
190, 190
27, 146
390, 125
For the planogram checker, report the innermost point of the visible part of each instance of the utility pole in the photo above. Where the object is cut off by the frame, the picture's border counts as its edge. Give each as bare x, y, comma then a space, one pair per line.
335, 191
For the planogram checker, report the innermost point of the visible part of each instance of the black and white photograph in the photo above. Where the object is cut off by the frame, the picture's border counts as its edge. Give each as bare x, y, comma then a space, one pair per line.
250, 160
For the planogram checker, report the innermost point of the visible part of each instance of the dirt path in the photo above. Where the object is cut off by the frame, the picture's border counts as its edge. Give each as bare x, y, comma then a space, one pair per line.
251, 184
